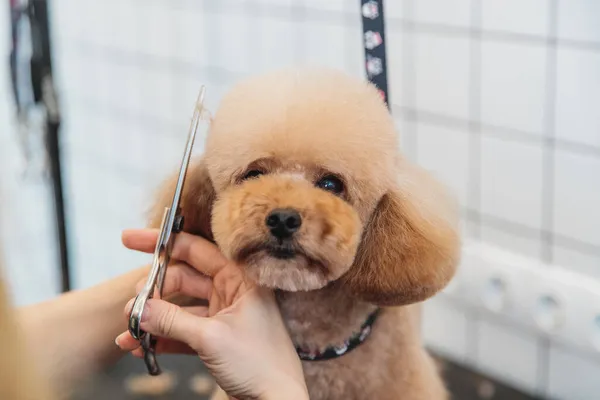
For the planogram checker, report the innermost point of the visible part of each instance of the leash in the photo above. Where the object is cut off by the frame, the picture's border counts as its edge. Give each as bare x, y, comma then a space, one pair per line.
373, 23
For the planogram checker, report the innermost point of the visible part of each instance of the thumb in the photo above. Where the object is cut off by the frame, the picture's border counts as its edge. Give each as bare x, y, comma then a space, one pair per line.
167, 320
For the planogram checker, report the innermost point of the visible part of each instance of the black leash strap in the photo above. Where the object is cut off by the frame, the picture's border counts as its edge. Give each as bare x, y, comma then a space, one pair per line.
374, 44
43, 92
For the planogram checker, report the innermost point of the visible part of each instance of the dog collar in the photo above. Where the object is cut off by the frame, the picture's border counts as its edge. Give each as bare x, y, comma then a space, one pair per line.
349, 344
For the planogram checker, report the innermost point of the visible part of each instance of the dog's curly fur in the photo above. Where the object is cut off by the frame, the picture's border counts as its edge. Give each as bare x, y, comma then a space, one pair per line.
389, 239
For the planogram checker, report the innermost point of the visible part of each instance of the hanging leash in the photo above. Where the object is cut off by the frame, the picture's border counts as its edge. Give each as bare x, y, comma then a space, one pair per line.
373, 23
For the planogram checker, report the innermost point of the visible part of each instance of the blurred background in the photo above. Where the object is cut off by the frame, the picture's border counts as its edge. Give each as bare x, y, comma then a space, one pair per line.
498, 98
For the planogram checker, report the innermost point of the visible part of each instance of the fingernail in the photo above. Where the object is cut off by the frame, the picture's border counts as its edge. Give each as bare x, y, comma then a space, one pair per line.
129, 306
146, 312
117, 342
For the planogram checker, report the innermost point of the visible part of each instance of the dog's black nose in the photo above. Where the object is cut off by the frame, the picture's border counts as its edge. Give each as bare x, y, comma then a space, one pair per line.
283, 222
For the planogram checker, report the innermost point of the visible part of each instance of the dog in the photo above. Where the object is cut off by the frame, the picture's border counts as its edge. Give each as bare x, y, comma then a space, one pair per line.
302, 182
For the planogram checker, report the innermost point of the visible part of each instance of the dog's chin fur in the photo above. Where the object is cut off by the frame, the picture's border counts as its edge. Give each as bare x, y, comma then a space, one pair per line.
298, 273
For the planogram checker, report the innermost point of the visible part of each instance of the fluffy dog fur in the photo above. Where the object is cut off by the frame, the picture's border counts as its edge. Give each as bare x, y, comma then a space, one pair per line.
389, 239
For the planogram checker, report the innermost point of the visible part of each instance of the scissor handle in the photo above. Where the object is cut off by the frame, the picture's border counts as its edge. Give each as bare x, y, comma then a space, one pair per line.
156, 277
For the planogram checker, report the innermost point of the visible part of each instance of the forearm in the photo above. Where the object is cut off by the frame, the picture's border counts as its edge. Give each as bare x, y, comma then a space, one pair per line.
73, 335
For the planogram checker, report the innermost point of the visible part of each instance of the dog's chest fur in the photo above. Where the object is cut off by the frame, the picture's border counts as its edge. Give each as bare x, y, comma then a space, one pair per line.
390, 364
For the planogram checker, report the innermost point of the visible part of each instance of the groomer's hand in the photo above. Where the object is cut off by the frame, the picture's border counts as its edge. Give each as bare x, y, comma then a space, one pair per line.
240, 336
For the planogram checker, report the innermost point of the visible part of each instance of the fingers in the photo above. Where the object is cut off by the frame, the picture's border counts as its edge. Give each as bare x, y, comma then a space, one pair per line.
182, 279
170, 321
126, 342
143, 240
194, 250
163, 346
166, 346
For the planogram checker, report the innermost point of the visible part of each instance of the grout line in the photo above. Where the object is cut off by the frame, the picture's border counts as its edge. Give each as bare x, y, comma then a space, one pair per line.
409, 81
499, 132
290, 12
474, 126
114, 55
494, 35
549, 148
548, 167
532, 233
350, 45
474, 158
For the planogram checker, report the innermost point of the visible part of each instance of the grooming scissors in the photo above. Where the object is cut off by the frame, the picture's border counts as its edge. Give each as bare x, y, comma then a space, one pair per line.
172, 223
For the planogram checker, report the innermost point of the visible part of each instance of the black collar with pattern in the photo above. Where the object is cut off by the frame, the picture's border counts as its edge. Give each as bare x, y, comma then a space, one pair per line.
349, 344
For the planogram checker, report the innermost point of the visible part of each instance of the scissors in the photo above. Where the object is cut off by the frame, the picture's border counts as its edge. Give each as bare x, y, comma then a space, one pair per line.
172, 223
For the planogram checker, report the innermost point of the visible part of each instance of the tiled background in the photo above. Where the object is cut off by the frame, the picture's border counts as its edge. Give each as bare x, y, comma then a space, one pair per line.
499, 98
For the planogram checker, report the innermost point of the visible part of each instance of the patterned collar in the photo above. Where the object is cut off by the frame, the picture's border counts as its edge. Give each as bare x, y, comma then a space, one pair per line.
349, 344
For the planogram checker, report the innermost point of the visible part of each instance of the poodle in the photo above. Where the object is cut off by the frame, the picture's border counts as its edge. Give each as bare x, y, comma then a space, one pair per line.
303, 184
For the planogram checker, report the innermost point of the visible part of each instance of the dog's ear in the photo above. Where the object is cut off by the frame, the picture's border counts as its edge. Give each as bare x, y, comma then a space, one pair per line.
196, 203
410, 247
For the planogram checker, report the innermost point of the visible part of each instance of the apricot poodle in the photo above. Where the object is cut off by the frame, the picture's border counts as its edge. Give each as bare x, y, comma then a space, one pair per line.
302, 182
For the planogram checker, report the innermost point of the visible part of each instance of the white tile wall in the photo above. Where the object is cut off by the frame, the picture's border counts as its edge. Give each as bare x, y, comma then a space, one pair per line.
155, 28
577, 20
578, 84
191, 37
282, 3
587, 264
395, 63
509, 353
355, 55
511, 181
452, 12
522, 244
445, 328
229, 52
395, 9
577, 194
272, 32
442, 71
513, 93
516, 16
324, 44
572, 376
445, 153
408, 137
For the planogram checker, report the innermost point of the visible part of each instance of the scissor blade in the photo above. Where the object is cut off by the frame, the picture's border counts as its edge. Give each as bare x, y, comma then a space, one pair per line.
188, 148
185, 161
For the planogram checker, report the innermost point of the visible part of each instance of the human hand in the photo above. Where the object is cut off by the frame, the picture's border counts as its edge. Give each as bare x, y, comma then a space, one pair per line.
240, 336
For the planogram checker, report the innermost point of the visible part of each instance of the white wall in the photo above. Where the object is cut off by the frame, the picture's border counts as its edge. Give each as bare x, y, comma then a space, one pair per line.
498, 98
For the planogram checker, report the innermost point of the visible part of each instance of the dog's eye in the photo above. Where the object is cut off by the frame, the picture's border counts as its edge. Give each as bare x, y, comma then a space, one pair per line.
252, 174
331, 184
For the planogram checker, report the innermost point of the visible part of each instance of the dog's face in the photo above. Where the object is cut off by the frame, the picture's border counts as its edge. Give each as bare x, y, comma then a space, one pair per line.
293, 226
301, 179
303, 185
